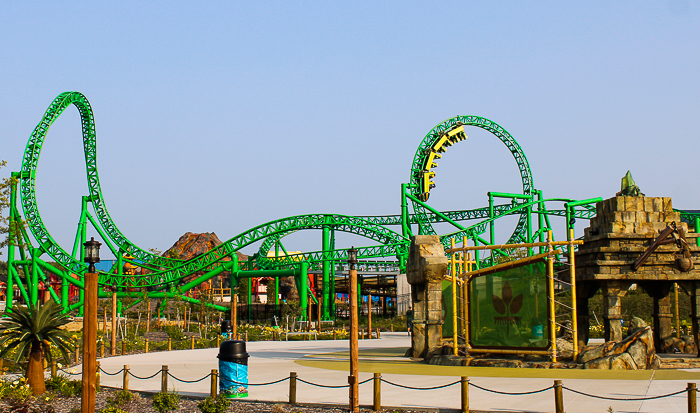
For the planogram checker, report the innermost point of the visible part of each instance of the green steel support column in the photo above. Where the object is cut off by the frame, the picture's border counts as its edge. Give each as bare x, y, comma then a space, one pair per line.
540, 219
82, 222
325, 295
234, 279
332, 281
697, 229
529, 229
20, 287
64, 294
277, 285
405, 223
303, 289
34, 284
83, 239
492, 229
10, 248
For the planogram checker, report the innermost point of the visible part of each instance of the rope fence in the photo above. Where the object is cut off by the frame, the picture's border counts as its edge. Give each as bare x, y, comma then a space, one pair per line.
558, 387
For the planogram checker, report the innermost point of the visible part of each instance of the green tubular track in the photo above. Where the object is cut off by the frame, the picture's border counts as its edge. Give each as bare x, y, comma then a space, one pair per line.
168, 272
419, 167
28, 186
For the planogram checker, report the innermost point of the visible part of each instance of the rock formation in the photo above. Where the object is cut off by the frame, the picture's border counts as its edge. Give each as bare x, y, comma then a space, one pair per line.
635, 352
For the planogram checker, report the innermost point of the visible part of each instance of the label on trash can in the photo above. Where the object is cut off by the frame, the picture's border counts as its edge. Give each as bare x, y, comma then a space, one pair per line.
233, 379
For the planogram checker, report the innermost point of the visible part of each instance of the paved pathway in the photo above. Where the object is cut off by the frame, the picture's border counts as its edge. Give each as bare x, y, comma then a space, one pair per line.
325, 362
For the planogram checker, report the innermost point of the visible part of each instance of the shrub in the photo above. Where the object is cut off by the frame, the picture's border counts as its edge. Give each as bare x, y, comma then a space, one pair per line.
64, 385
120, 399
218, 404
16, 390
112, 409
166, 402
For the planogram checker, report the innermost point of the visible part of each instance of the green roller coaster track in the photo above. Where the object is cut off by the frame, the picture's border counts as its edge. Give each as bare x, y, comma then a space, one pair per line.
166, 276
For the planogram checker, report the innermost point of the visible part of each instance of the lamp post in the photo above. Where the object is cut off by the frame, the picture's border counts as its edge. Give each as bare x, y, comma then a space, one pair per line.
92, 257
353, 379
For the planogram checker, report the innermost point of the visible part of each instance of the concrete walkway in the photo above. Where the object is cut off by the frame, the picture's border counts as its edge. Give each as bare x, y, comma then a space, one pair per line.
325, 362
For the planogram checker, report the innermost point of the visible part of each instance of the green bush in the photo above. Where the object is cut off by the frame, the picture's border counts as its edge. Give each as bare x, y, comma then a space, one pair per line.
112, 409
166, 402
64, 385
218, 404
16, 390
120, 399
174, 332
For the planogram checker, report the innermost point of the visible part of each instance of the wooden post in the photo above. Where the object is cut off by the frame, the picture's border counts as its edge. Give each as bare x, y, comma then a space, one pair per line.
335, 334
125, 378
246, 336
114, 322
464, 384
354, 367
192, 342
214, 376
170, 344
145, 346
558, 397
293, 388
148, 319
218, 341
164, 379
392, 328
77, 349
97, 375
692, 398
53, 368
378, 333
102, 349
377, 402
87, 403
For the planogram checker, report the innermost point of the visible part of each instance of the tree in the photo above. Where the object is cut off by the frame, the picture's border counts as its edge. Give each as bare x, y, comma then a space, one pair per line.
5, 190
31, 333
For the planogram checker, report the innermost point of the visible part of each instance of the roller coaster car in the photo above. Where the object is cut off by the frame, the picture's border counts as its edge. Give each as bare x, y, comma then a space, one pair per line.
447, 138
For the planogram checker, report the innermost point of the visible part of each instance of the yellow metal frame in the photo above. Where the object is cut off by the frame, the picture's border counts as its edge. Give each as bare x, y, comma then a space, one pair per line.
461, 272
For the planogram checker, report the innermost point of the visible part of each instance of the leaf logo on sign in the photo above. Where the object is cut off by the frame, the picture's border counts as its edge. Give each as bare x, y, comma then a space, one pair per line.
508, 306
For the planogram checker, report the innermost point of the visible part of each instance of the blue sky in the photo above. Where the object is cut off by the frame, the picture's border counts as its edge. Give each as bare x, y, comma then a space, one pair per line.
220, 116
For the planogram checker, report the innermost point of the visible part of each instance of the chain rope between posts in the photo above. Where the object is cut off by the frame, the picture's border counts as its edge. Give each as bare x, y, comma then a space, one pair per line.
511, 394
144, 378
334, 387
189, 381
69, 373
633, 399
112, 374
252, 384
420, 388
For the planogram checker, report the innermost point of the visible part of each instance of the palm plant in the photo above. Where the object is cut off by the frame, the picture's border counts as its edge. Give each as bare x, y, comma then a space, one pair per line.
31, 332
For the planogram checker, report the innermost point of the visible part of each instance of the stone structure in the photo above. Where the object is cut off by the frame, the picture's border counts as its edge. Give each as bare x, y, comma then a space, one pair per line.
635, 352
624, 227
425, 270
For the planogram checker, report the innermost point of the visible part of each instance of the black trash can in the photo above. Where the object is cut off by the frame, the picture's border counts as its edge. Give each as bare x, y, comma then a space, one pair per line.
233, 369
226, 328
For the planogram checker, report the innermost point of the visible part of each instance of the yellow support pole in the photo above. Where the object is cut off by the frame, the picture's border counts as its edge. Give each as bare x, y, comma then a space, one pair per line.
572, 271
453, 267
552, 314
467, 267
